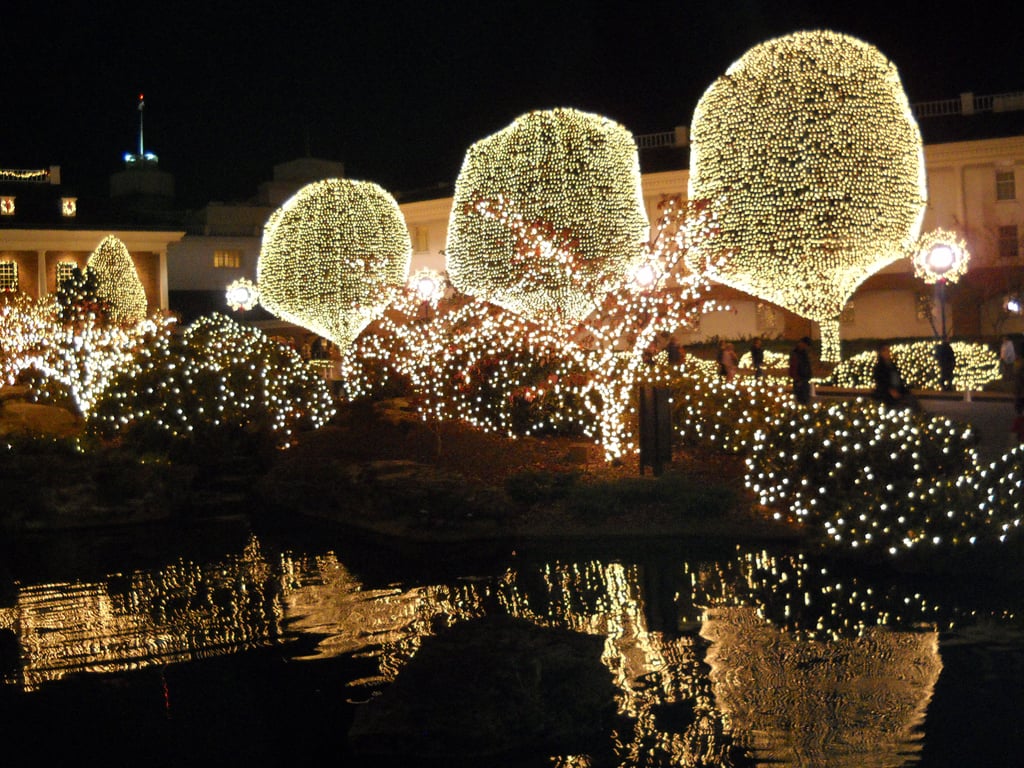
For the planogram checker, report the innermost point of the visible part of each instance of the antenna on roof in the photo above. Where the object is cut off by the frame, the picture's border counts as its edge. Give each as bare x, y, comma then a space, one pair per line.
144, 158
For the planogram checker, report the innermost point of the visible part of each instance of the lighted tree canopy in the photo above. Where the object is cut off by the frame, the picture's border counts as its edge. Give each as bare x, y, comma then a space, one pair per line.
809, 142
117, 281
572, 174
329, 253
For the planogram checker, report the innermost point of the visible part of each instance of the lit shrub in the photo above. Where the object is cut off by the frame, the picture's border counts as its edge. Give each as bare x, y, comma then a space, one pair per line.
976, 365
866, 475
220, 385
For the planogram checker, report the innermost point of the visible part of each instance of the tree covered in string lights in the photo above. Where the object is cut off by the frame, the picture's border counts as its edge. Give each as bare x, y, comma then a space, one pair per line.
117, 281
329, 254
547, 215
809, 142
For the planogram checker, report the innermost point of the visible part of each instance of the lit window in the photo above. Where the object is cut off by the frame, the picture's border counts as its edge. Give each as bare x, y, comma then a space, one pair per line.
227, 259
69, 206
420, 239
7, 205
65, 271
8, 276
1006, 186
1009, 242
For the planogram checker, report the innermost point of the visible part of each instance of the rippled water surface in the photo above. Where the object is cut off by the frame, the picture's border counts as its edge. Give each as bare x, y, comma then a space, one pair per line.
242, 647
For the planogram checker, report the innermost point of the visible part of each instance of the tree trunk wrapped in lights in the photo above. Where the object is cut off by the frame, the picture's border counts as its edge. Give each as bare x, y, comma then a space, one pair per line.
810, 143
329, 254
568, 182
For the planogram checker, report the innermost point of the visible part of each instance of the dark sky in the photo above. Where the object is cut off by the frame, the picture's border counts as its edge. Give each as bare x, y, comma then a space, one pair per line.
399, 90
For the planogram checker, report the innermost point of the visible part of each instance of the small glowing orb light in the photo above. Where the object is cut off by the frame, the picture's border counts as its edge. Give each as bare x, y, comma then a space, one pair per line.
428, 285
646, 275
242, 295
940, 255
548, 215
1013, 305
810, 143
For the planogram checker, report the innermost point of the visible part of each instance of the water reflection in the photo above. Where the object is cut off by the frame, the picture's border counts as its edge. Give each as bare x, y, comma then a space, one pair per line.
775, 655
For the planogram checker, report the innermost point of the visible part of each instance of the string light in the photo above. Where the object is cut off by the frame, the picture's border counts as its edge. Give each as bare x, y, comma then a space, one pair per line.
548, 215
809, 142
118, 282
328, 255
976, 366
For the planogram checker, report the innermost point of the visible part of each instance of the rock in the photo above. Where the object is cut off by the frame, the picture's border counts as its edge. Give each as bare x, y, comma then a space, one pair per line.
488, 688
18, 417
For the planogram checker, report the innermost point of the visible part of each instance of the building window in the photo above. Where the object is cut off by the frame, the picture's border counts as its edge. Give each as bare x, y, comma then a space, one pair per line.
8, 276
1006, 185
7, 205
420, 239
1009, 242
69, 207
65, 271
231, 259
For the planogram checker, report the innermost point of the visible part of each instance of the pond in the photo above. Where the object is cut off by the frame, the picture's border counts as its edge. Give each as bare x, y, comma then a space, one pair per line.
228, 644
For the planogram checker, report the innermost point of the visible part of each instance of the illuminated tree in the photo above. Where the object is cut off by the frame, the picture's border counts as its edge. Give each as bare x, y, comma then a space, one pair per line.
117, 282
810, 143
548, 215
328, 255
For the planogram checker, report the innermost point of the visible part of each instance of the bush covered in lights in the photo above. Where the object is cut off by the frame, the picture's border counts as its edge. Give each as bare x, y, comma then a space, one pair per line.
976, 366
218, 385
810, 143
710, 412
869, 476
329, 254
572, 176
117, 281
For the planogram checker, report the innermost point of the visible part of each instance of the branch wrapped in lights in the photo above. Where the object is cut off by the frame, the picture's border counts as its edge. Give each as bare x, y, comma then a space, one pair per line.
328, 255
940, 255
810, 141
118, 281
548, 215
480, 363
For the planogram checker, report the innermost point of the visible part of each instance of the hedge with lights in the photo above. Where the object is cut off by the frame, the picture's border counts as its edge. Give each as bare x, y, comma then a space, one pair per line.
571, 176
976, 365
869, 476
810, 143
216, 384
117, 281
328, 255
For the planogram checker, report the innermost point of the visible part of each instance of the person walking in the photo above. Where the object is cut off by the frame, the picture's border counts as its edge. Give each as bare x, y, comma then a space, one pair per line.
800, 370
1007, 356
730, 361
947, 363
757, 358
890, 388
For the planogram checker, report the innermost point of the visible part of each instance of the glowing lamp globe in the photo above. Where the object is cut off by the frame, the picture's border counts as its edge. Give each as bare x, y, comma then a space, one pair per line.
940, 255
329, 254
810, 147
242, 295
547, 215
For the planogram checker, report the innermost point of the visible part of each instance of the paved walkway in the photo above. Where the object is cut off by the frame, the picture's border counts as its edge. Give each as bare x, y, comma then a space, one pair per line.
991, 415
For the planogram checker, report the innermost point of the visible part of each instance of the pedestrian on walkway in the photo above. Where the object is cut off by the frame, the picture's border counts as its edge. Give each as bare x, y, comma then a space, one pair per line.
1007, 356
890, 388
947, 363
757, 358
800, 370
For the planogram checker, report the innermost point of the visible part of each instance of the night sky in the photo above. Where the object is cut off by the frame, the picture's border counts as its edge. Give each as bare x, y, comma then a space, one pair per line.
399, 90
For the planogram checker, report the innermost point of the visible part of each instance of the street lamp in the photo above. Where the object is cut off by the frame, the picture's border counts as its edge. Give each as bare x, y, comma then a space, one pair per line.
941, 258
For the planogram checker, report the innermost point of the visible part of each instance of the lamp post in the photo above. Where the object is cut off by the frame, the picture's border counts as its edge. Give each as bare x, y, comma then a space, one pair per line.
940, 258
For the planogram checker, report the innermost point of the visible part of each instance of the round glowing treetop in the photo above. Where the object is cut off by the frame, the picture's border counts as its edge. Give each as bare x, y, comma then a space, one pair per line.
548, 215
117, 281
810, 148
328, 255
